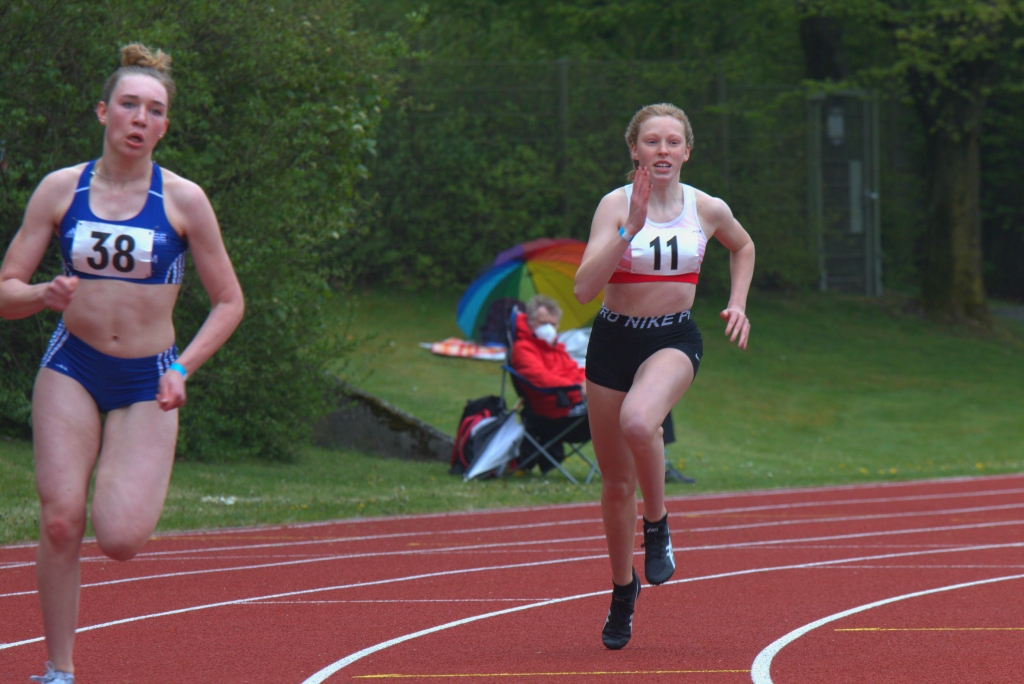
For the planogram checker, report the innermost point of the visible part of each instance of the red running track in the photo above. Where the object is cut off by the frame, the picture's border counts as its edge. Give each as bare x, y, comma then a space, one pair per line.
901, 582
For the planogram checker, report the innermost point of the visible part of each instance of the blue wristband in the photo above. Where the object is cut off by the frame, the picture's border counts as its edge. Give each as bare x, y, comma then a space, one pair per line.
622, 234
181, 369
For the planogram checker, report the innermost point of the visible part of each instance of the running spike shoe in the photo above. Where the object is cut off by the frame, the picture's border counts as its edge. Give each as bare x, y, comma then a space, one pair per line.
618, 626
659, 563
53, 676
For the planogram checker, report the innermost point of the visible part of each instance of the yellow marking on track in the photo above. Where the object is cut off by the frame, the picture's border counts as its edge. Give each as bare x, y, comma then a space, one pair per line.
932, 629
549, 674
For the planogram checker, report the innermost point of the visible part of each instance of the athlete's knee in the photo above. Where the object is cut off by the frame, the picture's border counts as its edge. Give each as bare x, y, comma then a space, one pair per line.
618, 489
62, 528
638, 429
120, 546
119, 541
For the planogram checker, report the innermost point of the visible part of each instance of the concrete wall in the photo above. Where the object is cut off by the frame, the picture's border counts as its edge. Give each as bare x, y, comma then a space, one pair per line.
373, 426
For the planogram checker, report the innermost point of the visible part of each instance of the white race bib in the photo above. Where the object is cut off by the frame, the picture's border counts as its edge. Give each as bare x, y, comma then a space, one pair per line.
665, 251
104, 249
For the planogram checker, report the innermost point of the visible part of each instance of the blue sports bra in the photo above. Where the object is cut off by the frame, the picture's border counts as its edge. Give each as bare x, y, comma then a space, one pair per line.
144, 250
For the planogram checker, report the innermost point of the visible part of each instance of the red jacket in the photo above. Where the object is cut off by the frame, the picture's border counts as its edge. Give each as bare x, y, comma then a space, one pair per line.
545, 366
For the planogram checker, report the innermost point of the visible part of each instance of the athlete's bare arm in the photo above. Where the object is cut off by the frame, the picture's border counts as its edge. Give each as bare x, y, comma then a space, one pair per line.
49, 202
717, 219
605, 247
189, 210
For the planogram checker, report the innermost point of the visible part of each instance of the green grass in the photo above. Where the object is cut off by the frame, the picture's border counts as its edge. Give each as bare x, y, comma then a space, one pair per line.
832, 390
322, 484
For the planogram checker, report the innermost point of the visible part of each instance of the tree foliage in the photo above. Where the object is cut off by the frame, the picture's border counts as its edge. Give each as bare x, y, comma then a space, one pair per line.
277, 110
949, 56
481, 153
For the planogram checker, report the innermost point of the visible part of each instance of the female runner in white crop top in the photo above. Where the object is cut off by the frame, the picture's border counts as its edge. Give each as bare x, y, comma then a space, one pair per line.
644, 348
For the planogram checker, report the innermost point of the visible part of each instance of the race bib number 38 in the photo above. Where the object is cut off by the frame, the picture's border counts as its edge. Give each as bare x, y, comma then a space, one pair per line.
104, 249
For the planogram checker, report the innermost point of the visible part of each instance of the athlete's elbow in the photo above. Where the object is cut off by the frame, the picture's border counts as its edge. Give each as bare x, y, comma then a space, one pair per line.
582, 294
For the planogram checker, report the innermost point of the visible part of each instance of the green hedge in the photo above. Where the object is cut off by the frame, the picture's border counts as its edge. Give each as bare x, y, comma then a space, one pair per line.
277, 110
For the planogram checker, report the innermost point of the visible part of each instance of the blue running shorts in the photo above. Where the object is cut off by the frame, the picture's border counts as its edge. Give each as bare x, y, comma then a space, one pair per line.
113, 382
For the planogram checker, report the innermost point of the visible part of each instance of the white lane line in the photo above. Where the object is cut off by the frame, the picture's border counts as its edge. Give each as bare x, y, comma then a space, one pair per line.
477, 548
928, 567
303, 592
402, 601
855, 535
533, 526
322, 559
334, 667
513, 566
760, 671
708, 496
931, 481
857, 518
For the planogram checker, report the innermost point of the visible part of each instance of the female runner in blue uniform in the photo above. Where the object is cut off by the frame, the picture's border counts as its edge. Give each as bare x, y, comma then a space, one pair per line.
646, 244
123, 225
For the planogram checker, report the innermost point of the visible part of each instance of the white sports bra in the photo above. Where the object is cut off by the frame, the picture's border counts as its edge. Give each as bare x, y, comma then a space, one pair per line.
670, 251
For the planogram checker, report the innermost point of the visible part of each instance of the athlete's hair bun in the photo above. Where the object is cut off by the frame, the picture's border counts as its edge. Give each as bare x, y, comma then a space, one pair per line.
136, 58
137, 54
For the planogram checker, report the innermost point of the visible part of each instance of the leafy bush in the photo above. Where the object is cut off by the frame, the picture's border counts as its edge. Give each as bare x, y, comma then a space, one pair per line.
277, 109
483, 155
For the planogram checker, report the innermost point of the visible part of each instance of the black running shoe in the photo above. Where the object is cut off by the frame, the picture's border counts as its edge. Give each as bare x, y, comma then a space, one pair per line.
618, 627
659, 564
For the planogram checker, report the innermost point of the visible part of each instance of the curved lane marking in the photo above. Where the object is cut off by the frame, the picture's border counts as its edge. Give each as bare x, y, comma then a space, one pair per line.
256, 599
334, 667
760, 671
302, 592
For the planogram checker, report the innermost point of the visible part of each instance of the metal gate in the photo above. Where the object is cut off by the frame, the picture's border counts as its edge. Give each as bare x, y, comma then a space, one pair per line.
842, 190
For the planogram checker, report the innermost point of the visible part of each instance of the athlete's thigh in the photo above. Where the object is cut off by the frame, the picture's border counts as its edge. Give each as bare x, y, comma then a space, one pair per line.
659, 383
66, 431
134, 467
613, 455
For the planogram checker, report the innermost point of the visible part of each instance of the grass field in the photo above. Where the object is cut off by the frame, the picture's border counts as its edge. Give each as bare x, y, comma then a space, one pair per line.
832, 390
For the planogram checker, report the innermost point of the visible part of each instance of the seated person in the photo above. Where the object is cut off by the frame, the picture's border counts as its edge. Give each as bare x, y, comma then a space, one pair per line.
542, 360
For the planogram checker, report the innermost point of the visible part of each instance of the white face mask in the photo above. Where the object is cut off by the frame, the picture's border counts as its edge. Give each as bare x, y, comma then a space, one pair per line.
546, 332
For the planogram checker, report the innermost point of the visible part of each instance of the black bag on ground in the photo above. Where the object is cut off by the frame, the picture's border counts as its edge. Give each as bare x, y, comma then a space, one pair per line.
476, 410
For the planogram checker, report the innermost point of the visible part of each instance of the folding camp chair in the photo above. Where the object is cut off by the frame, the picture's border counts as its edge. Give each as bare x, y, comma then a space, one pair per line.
530, 419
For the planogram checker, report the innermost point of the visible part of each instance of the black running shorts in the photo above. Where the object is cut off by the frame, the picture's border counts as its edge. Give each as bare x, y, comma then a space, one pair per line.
620, 344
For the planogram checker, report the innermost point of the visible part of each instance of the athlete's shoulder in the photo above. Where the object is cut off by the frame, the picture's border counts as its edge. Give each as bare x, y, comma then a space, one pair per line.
180, 189
616, 198
54, 195
712, 209
62, 180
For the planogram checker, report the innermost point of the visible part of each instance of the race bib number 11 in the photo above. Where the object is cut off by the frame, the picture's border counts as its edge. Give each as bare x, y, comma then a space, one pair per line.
104, 249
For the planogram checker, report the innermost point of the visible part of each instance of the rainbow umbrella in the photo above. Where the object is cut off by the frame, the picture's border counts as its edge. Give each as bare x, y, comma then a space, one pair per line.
546, 266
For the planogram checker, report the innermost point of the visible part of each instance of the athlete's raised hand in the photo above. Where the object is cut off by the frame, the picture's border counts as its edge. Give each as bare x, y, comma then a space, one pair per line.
171, 392
737, 326
59, 292
638, 201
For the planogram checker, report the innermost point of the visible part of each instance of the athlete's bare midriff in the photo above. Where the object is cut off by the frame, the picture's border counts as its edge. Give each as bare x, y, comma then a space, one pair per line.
649, 299
123, 319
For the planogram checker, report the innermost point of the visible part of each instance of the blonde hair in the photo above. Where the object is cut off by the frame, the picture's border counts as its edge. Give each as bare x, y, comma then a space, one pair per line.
136, 59
649, 112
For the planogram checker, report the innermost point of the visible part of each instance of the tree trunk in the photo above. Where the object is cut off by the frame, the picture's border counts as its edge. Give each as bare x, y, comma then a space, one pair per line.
951, 279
